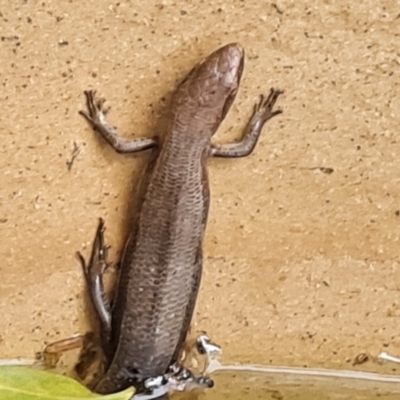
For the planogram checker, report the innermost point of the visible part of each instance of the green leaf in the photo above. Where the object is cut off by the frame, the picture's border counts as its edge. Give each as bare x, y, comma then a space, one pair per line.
19, 383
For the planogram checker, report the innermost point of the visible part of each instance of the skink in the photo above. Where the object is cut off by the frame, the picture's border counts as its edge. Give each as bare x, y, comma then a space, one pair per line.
161, 267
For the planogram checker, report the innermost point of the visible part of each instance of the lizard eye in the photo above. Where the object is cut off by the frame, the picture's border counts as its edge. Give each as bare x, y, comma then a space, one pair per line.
228, 103
232, 94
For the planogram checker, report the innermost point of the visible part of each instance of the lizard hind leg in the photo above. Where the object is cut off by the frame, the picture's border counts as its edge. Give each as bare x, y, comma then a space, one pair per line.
94, 272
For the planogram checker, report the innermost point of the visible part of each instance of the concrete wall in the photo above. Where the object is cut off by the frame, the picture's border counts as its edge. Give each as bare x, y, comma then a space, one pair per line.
301, 251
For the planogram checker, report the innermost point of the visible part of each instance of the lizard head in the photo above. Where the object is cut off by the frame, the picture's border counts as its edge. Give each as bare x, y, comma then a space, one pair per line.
209, 90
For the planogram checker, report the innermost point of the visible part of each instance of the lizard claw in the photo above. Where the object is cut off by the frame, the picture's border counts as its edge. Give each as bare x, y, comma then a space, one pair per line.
264, 108
96, 110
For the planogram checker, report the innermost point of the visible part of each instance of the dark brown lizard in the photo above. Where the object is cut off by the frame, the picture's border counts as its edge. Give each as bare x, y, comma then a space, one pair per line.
161, 267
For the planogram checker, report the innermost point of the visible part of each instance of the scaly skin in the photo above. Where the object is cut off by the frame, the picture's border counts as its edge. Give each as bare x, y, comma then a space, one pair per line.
162, 264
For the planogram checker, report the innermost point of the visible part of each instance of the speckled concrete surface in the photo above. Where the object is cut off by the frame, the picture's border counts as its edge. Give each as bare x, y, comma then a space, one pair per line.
302, 247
